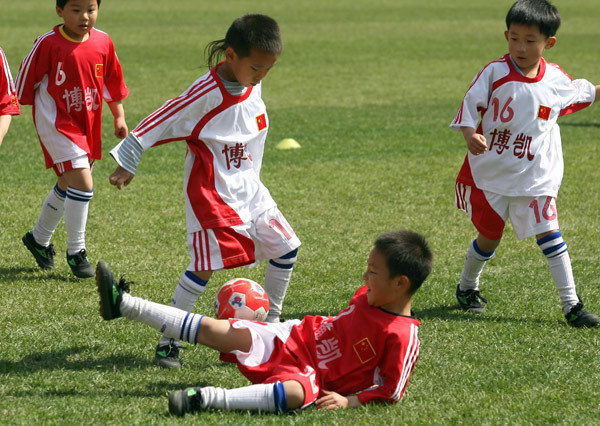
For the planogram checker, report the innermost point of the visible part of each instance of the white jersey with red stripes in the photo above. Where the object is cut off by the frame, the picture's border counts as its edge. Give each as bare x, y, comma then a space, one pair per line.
518, 117
225, 137
65, 81
9, 104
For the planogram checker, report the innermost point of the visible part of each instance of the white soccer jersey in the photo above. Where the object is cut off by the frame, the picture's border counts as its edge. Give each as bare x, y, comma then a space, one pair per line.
519, 120
225, 136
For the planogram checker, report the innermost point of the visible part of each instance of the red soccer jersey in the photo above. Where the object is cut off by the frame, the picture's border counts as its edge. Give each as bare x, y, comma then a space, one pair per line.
65, 81
9, 105
363, 350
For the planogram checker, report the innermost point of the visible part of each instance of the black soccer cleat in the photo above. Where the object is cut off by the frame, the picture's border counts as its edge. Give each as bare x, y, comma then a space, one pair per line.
470, 300
579, 318
167, 356
79, 264
110, 291
44, 256
185, 401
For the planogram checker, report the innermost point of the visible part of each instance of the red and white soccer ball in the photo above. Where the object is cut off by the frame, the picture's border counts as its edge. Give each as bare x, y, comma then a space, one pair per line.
243, 299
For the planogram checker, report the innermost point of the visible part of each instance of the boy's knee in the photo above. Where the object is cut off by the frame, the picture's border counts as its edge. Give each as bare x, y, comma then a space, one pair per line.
294, 394
286, 261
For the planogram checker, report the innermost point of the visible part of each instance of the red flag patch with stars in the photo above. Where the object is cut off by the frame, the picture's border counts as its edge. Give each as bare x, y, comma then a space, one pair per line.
261, 121
364, 350
544, 112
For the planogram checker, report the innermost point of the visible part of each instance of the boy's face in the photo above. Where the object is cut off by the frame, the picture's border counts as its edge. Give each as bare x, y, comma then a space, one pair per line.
250, 70
79, 17
526, 45
382, 289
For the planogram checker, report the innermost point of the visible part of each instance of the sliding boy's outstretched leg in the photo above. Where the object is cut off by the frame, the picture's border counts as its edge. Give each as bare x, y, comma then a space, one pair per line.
193, 328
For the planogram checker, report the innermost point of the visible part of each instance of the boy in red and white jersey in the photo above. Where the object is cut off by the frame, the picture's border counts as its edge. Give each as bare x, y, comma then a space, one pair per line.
232, 220
364, 354
9, 104
514, 166
67, 74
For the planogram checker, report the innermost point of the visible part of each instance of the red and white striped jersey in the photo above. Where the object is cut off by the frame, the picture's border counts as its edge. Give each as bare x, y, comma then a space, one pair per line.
9, 104
518, 117
65, 81
225, 136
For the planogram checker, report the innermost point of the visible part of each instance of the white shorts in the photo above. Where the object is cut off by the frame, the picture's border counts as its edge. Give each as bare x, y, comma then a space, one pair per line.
81, 162
269, 236
490, 211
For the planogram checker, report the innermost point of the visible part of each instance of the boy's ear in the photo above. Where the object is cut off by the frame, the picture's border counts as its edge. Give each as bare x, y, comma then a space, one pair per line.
403, 282
229, 54
59, 11
550, 42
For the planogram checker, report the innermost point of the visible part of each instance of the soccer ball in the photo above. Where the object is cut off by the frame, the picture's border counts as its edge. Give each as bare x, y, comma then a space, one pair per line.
243, 299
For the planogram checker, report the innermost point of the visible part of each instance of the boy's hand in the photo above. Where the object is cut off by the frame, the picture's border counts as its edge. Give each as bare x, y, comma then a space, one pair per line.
121, 130
477, 144
333, 401
120, 177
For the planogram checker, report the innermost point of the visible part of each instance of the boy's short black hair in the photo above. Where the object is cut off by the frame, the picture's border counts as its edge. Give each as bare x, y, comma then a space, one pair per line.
538, 13
407, 254
62, 3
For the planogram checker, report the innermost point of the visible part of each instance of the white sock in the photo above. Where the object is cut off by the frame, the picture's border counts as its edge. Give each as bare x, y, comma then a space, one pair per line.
277, 281
50, 216
474, 263
185, 296
269, 398
172, 322
559, 261
76, 212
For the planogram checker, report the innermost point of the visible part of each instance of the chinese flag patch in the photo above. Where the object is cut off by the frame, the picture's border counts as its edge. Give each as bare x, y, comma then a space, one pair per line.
13, 100
364, 350
99, 70
544, 112
261, 121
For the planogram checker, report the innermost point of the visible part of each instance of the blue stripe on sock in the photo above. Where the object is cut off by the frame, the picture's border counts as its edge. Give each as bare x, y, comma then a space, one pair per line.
183, 326
59, 192
195, 279
83, 196
290, 255
552, 249
197, 330
279, 265
549, 237
280, 397
481, 252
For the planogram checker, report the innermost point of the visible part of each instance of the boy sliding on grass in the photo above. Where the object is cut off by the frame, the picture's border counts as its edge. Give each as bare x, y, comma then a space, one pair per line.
364, 354
514, 166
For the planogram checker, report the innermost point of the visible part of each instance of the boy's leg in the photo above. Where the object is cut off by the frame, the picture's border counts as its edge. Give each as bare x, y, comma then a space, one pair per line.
79, 189
190, 286
173, 322
274, 236
277, 280
467, 292
271, 398
38, 239
555, 249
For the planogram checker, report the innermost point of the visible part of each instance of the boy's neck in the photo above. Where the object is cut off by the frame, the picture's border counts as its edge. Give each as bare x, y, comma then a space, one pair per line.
532, 73
66, 34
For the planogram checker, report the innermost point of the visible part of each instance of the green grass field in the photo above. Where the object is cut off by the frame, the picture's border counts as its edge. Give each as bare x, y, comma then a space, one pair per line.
368, 88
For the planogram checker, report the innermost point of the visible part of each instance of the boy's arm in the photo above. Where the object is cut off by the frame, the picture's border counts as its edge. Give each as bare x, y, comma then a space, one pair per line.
4, 124
597, 94
476, 142
333, 401
118, 113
